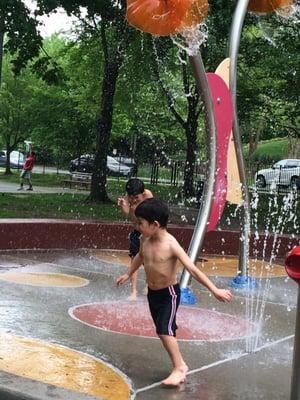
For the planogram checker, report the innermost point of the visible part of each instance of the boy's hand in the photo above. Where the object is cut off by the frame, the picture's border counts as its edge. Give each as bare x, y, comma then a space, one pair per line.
123, 203
122, 279
223, 295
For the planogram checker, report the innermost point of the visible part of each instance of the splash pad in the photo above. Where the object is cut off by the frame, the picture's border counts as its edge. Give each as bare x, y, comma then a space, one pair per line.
120, 334
133, 318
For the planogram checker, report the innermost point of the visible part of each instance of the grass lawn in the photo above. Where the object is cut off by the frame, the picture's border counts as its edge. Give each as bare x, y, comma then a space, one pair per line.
69, 206
61, 206
275, 149
23, 204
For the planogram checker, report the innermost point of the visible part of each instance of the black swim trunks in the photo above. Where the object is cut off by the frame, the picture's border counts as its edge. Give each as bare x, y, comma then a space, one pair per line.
163, 304
134, 243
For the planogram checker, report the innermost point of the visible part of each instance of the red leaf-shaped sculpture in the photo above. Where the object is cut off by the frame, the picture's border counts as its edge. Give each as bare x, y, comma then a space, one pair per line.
264, 6
165, 17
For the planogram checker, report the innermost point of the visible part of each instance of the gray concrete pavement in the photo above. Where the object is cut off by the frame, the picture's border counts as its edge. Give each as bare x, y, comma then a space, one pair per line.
7, 187
219, 370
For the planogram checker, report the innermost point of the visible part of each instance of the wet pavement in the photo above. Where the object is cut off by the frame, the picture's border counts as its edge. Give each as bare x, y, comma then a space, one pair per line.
57, 343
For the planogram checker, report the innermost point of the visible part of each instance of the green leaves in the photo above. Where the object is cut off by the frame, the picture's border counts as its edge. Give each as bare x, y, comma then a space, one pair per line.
22, 37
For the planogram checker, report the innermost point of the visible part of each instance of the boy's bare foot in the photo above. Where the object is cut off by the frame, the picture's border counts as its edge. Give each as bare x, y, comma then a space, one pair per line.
133, 296
177, 376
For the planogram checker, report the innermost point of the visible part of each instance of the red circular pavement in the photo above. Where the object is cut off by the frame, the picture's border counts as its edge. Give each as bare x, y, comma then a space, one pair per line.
133, 318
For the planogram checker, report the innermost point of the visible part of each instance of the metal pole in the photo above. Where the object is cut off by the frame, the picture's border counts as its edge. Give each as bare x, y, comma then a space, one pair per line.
235, 36
295, 385
204, 212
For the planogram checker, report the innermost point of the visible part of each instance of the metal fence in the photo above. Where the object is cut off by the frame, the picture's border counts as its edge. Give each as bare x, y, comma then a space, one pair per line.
260, 176
172, 173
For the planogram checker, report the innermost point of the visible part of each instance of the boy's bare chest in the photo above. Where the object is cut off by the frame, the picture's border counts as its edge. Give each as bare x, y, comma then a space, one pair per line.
156, 253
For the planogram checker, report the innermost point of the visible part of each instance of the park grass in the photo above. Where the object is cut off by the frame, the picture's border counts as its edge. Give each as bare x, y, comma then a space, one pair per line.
57, 206
76, 206
68, 205
274, 213
271, 150
270, 211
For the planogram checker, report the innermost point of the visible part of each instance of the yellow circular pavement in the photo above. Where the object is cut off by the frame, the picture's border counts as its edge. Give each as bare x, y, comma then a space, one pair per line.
44, 279
60, 366
210, 265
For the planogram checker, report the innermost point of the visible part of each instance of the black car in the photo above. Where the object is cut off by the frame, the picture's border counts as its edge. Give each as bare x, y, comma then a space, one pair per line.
85, 163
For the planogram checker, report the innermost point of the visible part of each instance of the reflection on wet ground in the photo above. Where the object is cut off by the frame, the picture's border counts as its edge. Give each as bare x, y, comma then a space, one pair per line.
37, 316
210, 265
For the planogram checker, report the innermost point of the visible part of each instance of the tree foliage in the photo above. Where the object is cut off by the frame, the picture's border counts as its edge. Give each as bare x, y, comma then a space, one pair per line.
23, 40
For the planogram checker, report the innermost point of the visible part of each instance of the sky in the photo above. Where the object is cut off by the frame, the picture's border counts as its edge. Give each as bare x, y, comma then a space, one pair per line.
54, 23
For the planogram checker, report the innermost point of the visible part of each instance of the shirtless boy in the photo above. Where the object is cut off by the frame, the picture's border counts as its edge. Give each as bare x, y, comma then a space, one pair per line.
159, 252
136, 193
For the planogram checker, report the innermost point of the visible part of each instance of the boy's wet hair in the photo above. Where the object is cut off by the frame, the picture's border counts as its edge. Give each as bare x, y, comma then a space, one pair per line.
153, 210
134, 187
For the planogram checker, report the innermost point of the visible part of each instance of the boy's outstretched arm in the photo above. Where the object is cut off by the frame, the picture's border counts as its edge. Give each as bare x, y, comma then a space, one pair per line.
136, 263
220, 294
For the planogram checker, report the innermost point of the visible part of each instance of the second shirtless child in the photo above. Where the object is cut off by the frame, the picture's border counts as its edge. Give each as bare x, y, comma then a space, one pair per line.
159, 252
135, 194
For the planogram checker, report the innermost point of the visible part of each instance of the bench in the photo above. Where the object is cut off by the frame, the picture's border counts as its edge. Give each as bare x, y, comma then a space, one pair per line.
79, 180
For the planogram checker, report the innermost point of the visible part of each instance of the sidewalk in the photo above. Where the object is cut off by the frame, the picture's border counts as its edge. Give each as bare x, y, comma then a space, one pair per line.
6, 187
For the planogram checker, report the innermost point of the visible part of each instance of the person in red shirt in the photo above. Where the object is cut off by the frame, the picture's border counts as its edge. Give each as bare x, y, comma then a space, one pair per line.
26, 171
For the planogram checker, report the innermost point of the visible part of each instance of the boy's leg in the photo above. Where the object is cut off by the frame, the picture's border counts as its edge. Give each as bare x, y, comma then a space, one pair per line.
134, 246
30, 184
21, 181
180, 368
29, 181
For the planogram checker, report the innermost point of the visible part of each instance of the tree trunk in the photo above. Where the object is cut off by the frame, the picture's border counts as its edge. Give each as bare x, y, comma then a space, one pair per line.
7, 164
104, 125
254, 139
112, 67
1, 48
293, 146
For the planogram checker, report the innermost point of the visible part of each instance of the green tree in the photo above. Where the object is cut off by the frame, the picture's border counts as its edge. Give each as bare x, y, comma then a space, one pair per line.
15, 124
19, 29
105, 21
64, 126
268, 82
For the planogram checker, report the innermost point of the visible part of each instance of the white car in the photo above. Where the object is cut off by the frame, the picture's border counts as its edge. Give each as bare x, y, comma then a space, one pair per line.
17, 159
284, 172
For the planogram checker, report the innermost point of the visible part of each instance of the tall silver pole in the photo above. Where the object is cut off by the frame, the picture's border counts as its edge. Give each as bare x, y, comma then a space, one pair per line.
235, 35
295, 386
206, 204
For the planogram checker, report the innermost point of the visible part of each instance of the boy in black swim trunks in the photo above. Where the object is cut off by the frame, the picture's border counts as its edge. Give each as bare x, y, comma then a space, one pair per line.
159, 252
136, 193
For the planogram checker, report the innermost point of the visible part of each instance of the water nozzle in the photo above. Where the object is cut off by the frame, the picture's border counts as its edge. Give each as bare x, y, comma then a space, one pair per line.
292, 264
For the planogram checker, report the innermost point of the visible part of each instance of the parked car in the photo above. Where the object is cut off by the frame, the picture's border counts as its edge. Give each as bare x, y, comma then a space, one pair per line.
85, 163
284, 172
17, 159
129, 161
